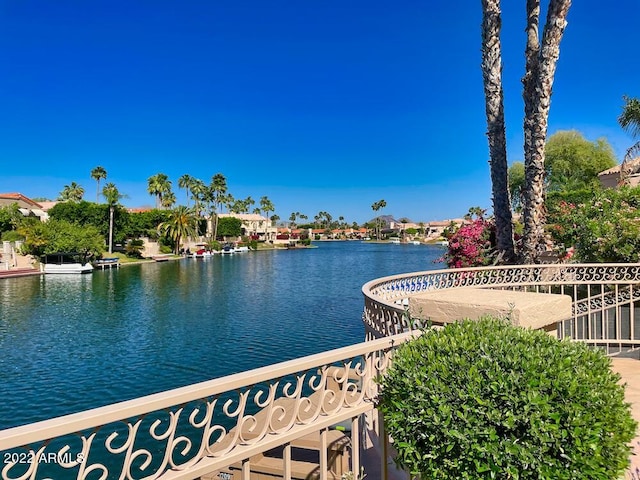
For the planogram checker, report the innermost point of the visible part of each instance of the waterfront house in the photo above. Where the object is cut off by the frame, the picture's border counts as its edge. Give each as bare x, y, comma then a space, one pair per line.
26, 206
610, 178
253, 225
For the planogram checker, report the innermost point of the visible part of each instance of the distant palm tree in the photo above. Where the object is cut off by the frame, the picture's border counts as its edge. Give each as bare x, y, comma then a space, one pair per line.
629, 120
182, 223
168, 199
71, 193
266, 206
158, 185
98, 174
198, 191
218, 189
248, 203
185, 181
112, 196
377, 206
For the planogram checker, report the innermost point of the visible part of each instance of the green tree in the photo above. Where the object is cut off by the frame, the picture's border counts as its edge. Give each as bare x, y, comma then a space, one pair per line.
274, 220
573, 162
71, 193
61, 236
112, 196
10, 217
89, 213
182, 223
145, 224
230, 227
98, 173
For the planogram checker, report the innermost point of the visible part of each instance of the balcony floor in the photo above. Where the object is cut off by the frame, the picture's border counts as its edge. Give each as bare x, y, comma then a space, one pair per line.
629, 369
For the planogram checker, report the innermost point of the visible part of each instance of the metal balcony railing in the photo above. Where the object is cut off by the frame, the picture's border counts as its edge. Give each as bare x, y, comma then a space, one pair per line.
280, 421
605, 298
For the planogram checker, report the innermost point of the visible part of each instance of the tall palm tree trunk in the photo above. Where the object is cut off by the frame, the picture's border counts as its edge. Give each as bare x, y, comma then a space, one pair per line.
494, 106
538, 83
111, 228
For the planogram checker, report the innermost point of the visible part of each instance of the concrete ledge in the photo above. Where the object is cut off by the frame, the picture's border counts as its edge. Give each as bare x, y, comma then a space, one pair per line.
527, 309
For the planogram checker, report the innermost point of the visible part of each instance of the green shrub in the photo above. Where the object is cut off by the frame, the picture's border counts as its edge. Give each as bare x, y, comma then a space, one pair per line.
134, 248
214, 245
485, 399
11, 236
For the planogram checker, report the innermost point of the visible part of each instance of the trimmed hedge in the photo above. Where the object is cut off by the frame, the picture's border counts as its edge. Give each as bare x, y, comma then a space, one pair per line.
484, 399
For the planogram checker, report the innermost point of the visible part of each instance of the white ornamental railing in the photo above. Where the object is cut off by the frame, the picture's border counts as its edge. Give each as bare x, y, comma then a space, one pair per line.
605, 310
216, 429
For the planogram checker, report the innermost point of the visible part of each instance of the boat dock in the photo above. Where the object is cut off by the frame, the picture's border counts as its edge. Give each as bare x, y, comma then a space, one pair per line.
105, 263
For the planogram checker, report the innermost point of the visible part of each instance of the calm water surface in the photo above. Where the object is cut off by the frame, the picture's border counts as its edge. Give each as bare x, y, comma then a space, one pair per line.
69, 343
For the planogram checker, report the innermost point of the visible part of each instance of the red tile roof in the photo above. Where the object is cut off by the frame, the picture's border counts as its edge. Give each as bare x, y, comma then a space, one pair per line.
19, 197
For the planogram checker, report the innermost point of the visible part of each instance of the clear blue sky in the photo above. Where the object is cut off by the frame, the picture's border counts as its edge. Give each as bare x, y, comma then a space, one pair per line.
320, 105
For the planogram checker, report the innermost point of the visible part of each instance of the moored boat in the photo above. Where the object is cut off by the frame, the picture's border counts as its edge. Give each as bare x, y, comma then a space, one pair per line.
68, 263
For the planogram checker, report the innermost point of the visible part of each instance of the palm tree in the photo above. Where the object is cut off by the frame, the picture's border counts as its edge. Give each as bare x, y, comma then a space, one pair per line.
274, 220
168, 199
112, 196
629, 120
377, 206
71, 193
494, 108
267, 206
541, 63
98, 174
198, 190
248, 203
158, 186
218, 189
185, 181
541, 60
182, 223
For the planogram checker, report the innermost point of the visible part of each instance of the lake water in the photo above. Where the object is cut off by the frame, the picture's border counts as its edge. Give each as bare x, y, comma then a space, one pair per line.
70, 343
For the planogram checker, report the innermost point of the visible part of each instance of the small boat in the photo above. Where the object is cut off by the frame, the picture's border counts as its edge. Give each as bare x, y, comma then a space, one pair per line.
104, 263
161, 258
227, 249
65, 263
240, 249
395, 241
202, 253
415, 242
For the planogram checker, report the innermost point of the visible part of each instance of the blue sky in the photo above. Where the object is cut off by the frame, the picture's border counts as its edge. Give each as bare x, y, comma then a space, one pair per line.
320, 105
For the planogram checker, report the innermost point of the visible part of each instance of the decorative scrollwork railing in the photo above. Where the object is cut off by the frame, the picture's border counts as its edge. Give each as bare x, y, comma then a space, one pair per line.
605, 298
203, 428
